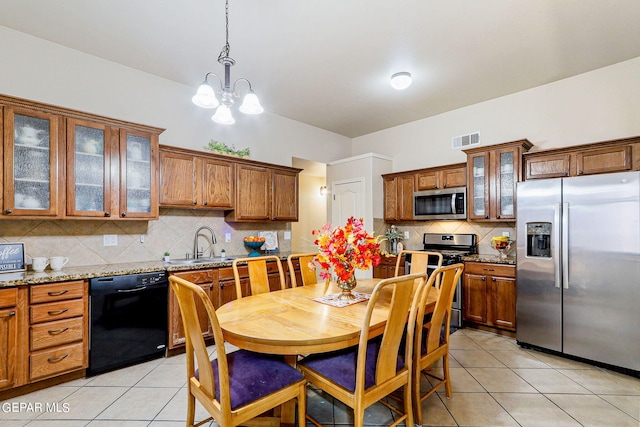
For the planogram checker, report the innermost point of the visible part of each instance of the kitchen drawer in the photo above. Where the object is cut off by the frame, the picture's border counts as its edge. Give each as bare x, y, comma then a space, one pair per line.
489, 269
56, 310
55, 361
55, 333
8, 297
56, 292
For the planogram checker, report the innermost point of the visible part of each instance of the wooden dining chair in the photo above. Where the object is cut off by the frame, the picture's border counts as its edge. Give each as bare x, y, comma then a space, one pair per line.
362, 375
419, 261
258, 274
431, 339
307, 275
236, 387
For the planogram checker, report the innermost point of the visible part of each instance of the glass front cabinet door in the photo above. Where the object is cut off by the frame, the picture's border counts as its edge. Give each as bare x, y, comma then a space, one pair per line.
30, 161
138, 174
88, 169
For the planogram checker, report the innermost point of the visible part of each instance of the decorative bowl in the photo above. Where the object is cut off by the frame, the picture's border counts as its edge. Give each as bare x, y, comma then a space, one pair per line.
503, 247
254, 245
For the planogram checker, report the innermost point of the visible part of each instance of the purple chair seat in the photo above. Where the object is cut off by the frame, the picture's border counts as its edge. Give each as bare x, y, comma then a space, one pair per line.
340, 366
254, 375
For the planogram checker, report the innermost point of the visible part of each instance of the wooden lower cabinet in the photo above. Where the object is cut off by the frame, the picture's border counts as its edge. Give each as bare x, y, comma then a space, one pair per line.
207, 279
58, 329
8, 337
219, 284
489, 293
387, 268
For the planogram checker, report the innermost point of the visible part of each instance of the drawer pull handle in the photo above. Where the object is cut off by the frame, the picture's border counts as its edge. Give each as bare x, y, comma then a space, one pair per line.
56, 312
57, 359
57, 294
11, 314
57, 331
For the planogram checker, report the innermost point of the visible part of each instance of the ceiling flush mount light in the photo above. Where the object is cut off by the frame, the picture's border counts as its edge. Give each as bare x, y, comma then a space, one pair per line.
401, 80
205, 97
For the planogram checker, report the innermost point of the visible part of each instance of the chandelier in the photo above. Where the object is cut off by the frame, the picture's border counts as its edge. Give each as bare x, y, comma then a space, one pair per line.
205, 97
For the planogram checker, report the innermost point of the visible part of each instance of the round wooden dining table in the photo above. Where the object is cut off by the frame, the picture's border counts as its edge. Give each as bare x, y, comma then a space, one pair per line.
291, 322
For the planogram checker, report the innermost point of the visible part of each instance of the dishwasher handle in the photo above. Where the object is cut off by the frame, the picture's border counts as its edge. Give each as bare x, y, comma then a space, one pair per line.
126, 291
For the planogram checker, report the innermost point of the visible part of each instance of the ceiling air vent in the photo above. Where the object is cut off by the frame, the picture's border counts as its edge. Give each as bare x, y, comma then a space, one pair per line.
464, 141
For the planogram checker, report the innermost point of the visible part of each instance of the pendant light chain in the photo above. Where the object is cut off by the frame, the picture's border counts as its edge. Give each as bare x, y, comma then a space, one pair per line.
224, 53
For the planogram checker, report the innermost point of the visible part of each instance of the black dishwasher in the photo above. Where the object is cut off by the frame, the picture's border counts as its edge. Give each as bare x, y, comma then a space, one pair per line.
128, 320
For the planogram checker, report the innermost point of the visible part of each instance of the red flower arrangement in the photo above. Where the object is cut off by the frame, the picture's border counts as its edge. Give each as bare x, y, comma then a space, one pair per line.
346, 249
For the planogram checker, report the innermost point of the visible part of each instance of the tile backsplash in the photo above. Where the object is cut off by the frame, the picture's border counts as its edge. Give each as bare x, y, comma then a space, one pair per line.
484, 231
82, 240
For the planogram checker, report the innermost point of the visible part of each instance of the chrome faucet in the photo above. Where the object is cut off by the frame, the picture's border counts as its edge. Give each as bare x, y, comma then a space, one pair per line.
197, 254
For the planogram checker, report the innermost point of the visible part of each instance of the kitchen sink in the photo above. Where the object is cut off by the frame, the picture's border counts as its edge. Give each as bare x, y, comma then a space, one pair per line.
209, 260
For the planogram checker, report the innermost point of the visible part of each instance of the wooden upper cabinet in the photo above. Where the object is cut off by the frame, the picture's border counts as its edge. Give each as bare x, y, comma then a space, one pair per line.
218, 183
62, 163
443, 178
195, 181
253, 200
90, 147
603, 157
492, 175
138, 182
265, 193
285, 195
32, 162
400, 186
398, 197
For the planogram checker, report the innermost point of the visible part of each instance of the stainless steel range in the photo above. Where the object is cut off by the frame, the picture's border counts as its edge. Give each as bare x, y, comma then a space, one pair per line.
453, 248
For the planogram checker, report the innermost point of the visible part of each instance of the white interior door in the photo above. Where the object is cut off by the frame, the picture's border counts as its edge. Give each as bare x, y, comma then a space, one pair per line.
348, 200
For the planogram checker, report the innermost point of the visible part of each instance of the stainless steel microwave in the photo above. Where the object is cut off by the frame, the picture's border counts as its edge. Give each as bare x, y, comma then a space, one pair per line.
447, 203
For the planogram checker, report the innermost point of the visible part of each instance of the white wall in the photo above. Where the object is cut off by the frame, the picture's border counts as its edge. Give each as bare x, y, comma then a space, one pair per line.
600, 105
39, 70
312, 213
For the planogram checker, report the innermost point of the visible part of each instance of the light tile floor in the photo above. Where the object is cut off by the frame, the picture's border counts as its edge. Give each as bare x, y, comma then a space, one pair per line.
495, 383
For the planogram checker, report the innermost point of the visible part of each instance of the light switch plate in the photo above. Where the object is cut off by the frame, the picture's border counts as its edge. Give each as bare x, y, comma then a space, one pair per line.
227, 237
506, 233
406, 234
110, 240
287, 235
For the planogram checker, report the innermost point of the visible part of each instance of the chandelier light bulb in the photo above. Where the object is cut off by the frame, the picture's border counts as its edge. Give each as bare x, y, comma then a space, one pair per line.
251, 104
205, 97
223, 116
400, 81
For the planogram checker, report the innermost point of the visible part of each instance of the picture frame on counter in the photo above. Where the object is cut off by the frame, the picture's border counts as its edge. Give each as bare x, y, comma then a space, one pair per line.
12, 257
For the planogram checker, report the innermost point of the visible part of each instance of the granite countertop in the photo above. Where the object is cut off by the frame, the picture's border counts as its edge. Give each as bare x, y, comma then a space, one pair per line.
494, 259
105, 270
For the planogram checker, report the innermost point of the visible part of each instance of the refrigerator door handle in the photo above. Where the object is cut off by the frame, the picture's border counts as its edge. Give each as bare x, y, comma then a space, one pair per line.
556, 259
565, 245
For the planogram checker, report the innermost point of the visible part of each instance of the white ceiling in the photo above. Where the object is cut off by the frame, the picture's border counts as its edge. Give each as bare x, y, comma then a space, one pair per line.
327, 62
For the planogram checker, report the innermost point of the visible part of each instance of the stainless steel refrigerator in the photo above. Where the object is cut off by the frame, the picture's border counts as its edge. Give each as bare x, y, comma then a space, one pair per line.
578, 267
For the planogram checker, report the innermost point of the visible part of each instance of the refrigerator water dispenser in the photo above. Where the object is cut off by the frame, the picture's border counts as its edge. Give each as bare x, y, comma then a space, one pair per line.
539, 239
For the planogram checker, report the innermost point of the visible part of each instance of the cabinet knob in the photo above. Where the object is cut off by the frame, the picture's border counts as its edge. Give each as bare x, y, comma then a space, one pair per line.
195, 202
484, 279
486, 217
497, 216
566, 174
123, 214
205, 203
9, 211
579, 172
107, 214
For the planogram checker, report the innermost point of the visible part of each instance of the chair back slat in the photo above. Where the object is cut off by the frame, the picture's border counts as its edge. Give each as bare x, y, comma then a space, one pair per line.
258, 274
307, 275
402, 291
186, 294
